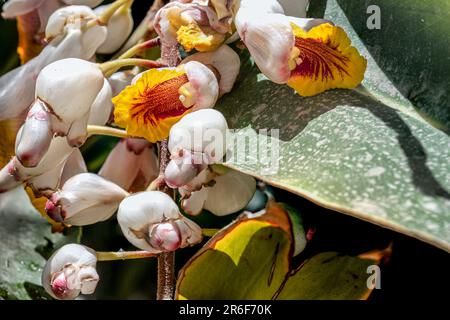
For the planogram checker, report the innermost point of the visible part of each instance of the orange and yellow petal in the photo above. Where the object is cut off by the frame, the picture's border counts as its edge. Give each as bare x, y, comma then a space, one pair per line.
151, 106
326, 60
191, 36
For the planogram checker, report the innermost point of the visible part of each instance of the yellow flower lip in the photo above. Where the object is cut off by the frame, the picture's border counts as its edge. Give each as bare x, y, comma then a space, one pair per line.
150, 107
323, 59
191, 36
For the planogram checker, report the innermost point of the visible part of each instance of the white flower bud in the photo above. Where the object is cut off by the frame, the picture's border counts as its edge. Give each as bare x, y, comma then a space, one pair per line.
225, 61
202, 131
74, 77
101, 109
183, 168
203, 83
35, 136
17, 86
138, 163
69, 21
152, 221
230, 193
85, 199
270, 39
70, 271
119, 28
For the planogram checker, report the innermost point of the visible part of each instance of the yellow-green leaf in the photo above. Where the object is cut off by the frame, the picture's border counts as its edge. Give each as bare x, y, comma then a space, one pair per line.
251, 259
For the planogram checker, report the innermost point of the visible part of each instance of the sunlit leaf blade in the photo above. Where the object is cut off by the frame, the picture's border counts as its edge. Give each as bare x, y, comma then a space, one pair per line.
364, 152
247, 260
251, 259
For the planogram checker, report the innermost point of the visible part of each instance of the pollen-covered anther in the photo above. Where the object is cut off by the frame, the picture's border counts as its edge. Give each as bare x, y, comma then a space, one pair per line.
187, 95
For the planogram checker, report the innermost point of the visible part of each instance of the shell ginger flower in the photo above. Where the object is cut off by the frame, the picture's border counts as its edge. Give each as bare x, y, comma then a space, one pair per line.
158, 98
310, 55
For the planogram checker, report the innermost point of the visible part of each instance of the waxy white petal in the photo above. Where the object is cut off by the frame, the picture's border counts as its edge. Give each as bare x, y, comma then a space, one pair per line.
85, 199
79, 78
225, 61
204, 83
101, 109
35, 136
231, 193
202, 131
14, 8
270, 40
130, 163
71, 270
119, 29
146, 218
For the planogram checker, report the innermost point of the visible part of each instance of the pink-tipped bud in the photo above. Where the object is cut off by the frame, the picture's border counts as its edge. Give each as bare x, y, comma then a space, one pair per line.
165, 236
70, 271
35, 136
152, 221
181, 170
85, 199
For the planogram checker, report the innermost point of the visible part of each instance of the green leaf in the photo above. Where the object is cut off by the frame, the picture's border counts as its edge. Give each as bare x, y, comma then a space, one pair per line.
409, 55
365, 152
251, 259
247, 260
328, 276
24, 233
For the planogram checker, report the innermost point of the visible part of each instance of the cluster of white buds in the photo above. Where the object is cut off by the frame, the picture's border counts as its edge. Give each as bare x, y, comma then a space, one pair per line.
42, 155
152, 221
196, 142
68, 38
70, 271
74, 31
77, 204
58, 115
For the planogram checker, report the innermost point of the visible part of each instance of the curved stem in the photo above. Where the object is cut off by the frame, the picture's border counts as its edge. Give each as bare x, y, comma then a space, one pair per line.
108, 68
140, 47
124, 255
104, 17
106, 131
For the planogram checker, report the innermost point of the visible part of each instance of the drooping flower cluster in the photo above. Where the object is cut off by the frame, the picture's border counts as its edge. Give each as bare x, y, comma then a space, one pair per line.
62, 97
